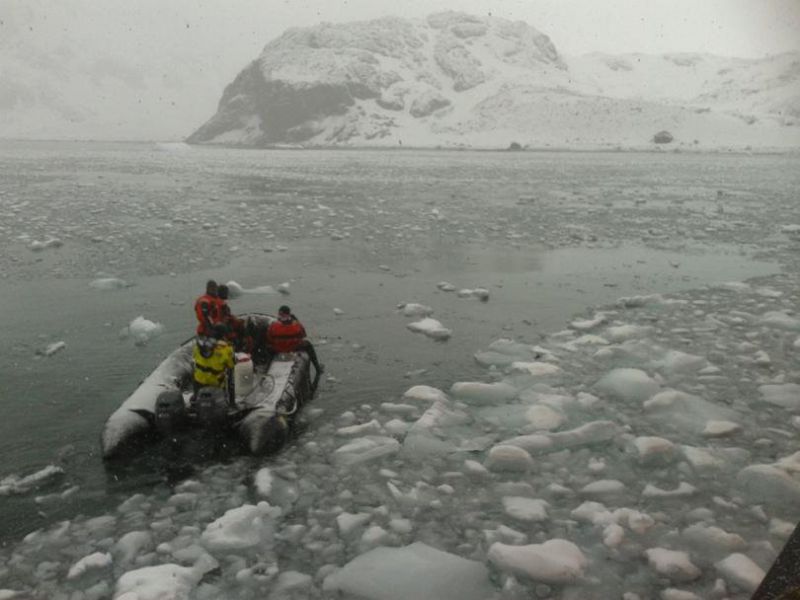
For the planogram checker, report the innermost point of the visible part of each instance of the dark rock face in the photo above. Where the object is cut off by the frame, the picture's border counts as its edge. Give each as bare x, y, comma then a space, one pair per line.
663, 137
285, 111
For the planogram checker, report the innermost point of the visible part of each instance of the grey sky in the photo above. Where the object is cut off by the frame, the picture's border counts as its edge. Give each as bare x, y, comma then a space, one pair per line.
238, 29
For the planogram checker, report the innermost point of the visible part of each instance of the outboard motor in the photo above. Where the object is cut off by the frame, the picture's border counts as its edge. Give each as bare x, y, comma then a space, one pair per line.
170, 412
211, 405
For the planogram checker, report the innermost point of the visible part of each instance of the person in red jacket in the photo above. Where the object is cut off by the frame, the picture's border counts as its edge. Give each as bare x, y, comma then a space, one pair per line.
206, 309
287, 334
233, 324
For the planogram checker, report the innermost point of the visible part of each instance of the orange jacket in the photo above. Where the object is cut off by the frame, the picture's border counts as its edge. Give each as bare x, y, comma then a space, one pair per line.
206, 309
285, 336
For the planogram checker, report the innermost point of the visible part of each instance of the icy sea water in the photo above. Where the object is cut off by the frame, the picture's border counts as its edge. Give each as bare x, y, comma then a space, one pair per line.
556, 239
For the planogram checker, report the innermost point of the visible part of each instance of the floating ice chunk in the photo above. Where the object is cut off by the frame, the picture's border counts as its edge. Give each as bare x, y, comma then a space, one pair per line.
542, 417
374, 536
263, 481
603, 488
504, 535
769, 485
537, 369
676, 594
740, 571
424, 393
639, 301
283, 288
525, 509
684, 412
672, 564
51, 349
620, 333
708, 539
627, 384
780, 528
503, 352
243, 528
349, 522
98, 560
235, 290
653, 450
786, 395
734, 286
401, 526
365, 449
613, 535
593, 512
130, 545
595, 432
475, 469
109, 283
793, 228
555, 561
587, 324
780, 320
682, 491
369, 428
415, 571
677, 362
430, 327
715, 429
14, 484
396, 427
704, 460
508, 458
446, 287
163, 581
38, 246
142, 330
289, 584
412, 309
475, 392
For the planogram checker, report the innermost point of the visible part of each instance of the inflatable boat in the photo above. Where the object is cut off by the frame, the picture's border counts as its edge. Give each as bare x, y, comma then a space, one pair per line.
268, 396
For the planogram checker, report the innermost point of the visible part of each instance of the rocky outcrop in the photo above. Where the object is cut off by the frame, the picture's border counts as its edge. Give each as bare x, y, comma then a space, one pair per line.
463, 80
335, 83
662, 137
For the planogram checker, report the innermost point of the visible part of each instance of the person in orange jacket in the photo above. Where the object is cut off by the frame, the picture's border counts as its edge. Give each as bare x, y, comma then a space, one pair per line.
287, 334
233, 324
206, 309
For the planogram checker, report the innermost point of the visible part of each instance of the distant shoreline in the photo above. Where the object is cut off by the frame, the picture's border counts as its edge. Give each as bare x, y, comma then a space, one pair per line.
649, 148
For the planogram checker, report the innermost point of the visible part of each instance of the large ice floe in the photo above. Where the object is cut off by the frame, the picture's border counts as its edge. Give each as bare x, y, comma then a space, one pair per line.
647, 451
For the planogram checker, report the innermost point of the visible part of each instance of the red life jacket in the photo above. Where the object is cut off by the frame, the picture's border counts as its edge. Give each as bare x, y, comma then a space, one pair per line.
285, 336
212, 304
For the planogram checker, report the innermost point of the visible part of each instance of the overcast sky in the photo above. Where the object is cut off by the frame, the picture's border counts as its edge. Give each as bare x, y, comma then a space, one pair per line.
240, 28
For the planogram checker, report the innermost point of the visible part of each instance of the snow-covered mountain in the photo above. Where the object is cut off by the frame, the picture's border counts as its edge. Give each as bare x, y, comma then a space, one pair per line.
460, 80
451, 80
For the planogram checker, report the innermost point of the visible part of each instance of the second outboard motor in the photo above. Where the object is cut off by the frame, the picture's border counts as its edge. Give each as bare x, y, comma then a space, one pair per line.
170, 412
211, 405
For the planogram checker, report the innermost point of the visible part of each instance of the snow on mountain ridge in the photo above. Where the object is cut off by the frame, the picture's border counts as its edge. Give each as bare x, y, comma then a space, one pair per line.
452, 79
460, 80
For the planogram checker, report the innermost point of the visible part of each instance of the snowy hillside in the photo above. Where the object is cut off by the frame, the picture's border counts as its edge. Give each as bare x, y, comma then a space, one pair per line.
465, 81
451, 80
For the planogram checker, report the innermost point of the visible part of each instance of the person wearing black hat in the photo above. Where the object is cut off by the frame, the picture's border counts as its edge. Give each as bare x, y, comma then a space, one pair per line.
206, 309
287, 334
